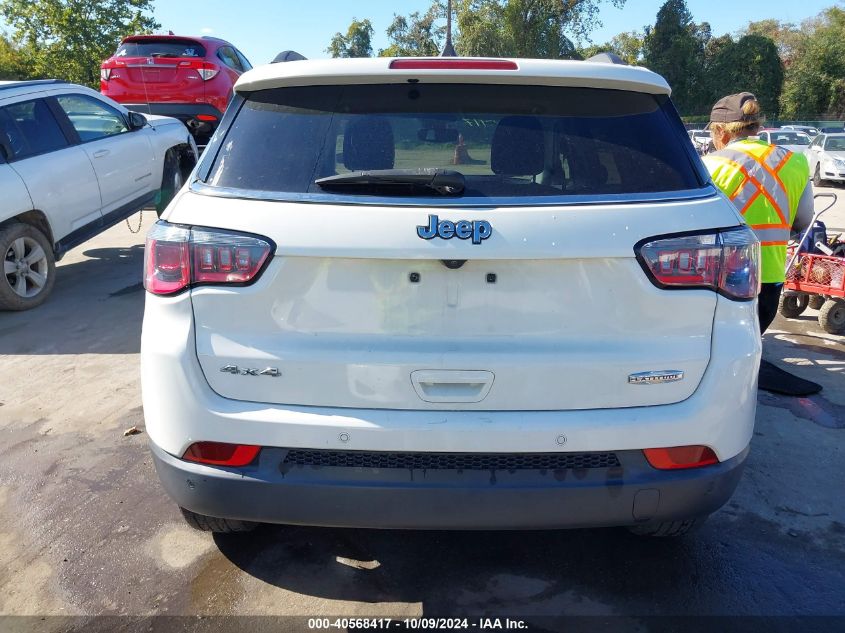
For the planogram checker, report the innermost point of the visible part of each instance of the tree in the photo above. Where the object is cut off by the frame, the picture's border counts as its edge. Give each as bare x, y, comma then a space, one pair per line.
416, 35
356, 43
815, 74
786, 36
674, 48
525, 28
68, 39
12, 63
751, 64
629, 46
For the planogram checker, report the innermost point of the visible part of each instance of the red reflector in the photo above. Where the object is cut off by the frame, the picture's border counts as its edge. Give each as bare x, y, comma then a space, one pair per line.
680, 457
431, 63
206, 117
221, 454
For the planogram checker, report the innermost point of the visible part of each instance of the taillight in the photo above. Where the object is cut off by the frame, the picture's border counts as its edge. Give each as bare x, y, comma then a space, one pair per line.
677, 457
176, 258
221, 454
206, 70
726, 261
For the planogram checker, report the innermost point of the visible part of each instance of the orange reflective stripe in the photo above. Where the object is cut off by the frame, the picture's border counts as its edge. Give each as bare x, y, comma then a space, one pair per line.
747, 174
770, 226
773, 243
774, 172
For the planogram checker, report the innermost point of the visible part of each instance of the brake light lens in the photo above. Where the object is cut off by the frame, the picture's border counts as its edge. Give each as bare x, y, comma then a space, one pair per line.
678, 457
206, 70
221, 453
727, 262
177, 258
441, 63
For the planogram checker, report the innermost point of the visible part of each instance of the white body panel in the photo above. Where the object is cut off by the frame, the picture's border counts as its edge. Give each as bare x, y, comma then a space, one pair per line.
124, 165
181, 408
15, 195
62, 185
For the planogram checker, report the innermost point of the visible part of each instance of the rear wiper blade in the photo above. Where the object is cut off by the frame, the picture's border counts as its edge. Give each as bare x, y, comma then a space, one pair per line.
446, 182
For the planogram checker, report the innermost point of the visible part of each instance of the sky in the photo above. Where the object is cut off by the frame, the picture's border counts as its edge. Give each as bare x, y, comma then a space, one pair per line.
263, 28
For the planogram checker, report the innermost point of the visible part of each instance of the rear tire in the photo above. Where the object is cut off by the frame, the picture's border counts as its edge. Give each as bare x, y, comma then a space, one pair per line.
832, 316
793, 305
667, 529
27, 287
816, 302
205, 523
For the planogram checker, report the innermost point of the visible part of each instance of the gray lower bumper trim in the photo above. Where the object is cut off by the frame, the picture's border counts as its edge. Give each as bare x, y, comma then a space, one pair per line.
418, 499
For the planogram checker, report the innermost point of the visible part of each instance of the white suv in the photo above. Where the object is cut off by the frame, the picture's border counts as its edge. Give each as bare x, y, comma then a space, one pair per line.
450, 293
72, 164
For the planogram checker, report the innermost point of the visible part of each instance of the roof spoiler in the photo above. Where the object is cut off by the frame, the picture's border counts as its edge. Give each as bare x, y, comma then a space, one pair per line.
288, 56
607, 58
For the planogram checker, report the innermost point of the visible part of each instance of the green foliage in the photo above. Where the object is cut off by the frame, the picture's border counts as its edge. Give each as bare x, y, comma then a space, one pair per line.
815, 76
68, 39
416, 35
12, 63
751, 64
674, 47
629, 46
356, 43
525, 28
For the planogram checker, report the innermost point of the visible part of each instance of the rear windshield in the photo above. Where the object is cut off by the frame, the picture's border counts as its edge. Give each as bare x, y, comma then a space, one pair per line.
507, 141
161, 48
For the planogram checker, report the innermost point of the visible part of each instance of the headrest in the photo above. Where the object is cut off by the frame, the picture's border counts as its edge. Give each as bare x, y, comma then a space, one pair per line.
368, 144
517, 148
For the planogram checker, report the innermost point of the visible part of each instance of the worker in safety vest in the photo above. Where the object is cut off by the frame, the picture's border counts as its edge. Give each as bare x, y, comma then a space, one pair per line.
769, 185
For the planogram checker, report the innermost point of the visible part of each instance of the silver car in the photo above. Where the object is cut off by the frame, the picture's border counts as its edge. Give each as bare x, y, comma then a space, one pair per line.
826, 156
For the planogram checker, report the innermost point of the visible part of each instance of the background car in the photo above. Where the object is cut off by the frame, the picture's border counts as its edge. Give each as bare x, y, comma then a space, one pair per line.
826, 155
189, 78
701, 140
72, 164
809, 130
792, 140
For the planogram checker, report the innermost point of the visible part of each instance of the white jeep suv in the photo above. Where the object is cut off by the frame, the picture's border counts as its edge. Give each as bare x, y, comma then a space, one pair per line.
72, 164
450, 293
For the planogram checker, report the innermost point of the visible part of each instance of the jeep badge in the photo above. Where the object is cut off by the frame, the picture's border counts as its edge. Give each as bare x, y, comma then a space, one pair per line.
478, 230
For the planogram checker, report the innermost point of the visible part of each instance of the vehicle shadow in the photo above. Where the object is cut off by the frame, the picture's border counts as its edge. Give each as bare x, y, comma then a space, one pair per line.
724, 568
96, 308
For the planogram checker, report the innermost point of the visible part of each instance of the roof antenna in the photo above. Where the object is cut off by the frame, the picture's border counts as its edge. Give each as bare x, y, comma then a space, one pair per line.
448, 49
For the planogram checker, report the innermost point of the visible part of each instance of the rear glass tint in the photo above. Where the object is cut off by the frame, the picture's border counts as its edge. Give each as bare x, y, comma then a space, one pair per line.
161, 48
507, 141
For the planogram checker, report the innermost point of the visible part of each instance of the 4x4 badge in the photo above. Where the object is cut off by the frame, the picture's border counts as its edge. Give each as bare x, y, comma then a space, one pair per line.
478, 230
250, 371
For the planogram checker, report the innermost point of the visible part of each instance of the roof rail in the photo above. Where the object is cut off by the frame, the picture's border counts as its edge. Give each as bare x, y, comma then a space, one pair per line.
607, 58
30, 82
288, 56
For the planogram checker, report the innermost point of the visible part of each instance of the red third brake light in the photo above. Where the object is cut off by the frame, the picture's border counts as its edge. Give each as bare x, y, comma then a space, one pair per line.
221, 454
677, 457
445, 63
176, 258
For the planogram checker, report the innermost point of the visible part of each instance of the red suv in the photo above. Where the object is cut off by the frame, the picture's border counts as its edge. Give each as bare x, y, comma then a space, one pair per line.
189, 78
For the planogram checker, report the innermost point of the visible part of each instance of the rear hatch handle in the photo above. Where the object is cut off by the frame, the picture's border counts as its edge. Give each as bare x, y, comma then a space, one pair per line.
452, 385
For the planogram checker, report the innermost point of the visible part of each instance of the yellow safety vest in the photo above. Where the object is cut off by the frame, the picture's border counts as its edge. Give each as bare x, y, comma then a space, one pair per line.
765, 183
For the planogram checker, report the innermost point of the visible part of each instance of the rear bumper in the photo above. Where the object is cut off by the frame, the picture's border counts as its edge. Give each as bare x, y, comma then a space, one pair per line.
272, 492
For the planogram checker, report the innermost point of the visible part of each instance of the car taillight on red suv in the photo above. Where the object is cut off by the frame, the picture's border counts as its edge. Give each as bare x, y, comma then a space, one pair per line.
725, 261
178, 257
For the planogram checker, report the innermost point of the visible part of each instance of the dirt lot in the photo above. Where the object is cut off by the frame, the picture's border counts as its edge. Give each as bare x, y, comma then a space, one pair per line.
86, 529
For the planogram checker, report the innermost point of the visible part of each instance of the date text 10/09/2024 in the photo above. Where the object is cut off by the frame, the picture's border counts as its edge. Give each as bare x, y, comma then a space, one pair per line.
405, 624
